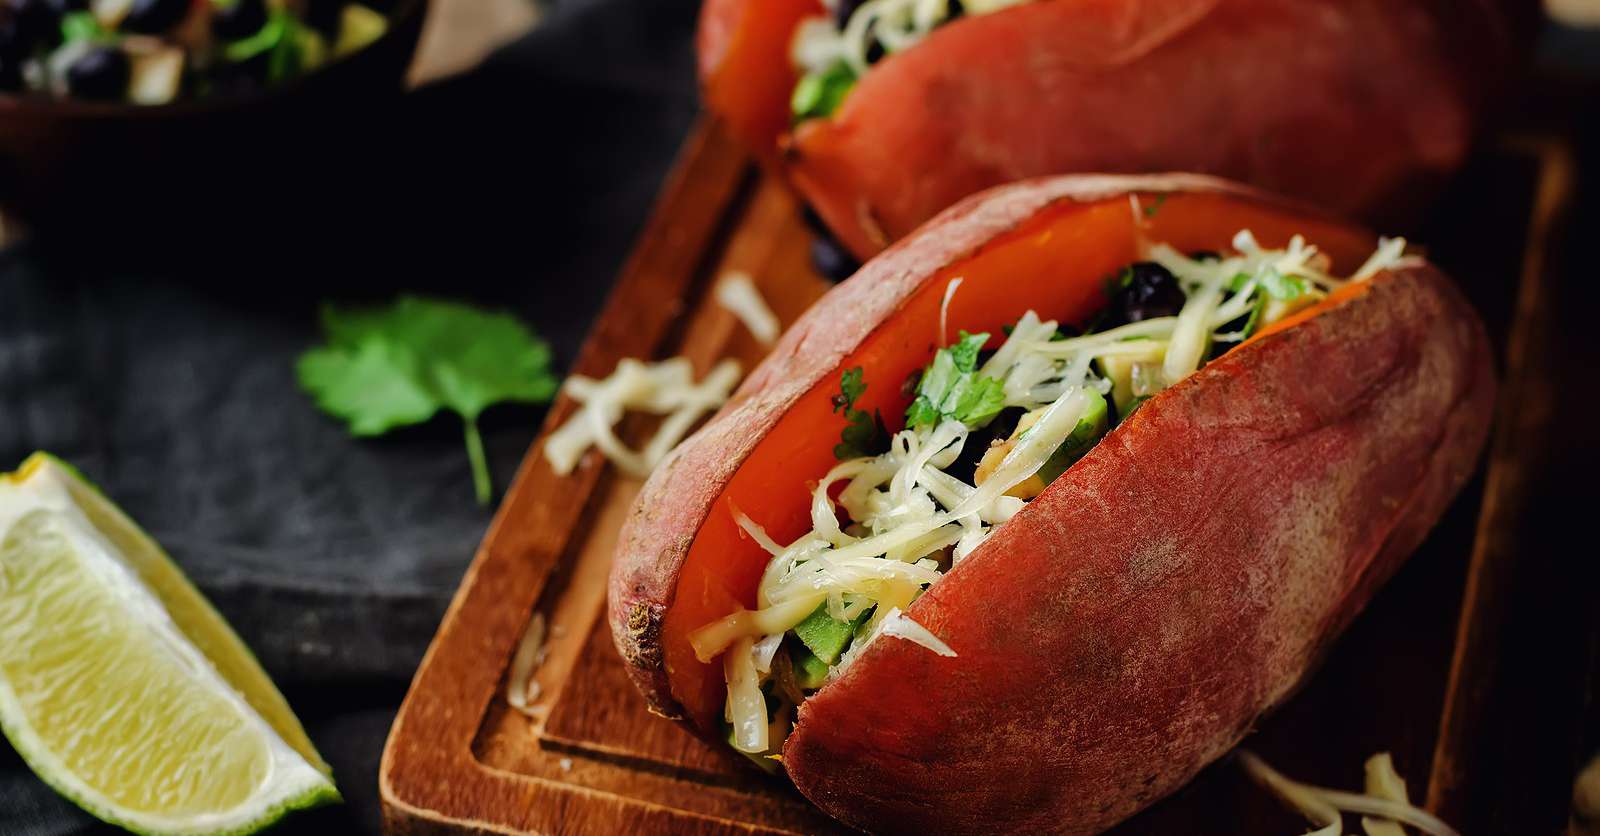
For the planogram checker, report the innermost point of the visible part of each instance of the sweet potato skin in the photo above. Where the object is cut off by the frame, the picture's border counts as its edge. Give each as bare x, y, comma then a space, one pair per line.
1129, 626
1359, 106
674, 501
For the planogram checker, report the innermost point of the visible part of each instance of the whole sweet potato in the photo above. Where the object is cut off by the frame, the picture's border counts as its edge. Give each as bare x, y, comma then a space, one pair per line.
1130, 624
1358, 105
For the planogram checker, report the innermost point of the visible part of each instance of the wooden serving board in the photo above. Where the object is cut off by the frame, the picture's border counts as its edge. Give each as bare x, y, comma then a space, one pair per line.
1409, 677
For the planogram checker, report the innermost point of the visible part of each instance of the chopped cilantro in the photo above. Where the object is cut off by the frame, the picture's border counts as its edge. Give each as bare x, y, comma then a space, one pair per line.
1151, 210
1254, 322
951, 388
864, 434
1276, 284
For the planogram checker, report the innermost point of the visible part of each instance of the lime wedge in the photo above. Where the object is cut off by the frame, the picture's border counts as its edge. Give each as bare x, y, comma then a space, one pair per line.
121, 686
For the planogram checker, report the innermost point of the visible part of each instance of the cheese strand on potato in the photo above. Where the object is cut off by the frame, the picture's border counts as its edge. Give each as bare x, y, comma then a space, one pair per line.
911, 519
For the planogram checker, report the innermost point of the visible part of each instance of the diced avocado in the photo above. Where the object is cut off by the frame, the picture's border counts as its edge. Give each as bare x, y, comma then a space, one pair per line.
826, 636
358, 28
313, 48
1118, 369
820, 94
810, 673
1090, 427
864, 623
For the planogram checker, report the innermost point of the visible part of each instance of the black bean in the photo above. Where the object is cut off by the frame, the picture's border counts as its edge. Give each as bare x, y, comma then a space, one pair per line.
1147, 290
841, 15
101, 74
875, 50
979, 440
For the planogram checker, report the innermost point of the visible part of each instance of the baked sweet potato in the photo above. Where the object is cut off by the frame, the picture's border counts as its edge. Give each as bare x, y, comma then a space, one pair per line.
1359, 106
1130, 623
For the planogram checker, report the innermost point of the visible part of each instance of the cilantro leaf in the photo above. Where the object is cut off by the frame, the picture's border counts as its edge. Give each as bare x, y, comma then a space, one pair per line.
979, 400
951, 388
965, 352
390, 367
864, 434
850, 388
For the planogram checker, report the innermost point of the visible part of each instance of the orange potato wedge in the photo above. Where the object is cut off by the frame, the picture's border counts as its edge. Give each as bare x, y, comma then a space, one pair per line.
1360, 106
1131, 623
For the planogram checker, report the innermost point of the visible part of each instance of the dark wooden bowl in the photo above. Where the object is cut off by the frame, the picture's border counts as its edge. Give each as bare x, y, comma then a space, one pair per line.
66, 162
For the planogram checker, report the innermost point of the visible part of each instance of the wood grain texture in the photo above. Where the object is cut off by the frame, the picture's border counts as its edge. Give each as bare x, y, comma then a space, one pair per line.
588, 758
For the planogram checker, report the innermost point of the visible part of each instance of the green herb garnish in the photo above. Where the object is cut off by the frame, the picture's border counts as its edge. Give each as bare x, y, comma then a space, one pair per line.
864, 434
391, 367
951, 387
1276, 284
818, 95
1151, 210
83, 26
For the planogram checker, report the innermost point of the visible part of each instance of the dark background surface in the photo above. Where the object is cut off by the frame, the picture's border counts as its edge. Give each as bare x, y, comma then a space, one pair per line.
163, 365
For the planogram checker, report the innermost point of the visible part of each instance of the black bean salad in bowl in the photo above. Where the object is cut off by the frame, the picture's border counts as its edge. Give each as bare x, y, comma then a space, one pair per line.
155, 52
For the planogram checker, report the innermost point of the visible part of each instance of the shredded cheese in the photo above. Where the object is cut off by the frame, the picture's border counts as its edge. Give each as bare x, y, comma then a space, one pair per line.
664, 388
944, 310
747, 708
739, 295
521, 689
1383, 804
900, 625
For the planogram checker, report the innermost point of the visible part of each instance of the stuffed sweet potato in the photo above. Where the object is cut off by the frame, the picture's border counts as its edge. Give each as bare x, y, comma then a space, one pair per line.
884, 112
1027, 522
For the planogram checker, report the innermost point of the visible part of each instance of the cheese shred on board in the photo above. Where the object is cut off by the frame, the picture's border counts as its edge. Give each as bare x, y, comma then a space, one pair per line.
738, 294
666, 388
996, 419
1384, 807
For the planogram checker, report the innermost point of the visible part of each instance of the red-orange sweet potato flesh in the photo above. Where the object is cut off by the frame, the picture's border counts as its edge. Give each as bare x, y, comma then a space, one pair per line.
744, 68
1338, 409
1356, 105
